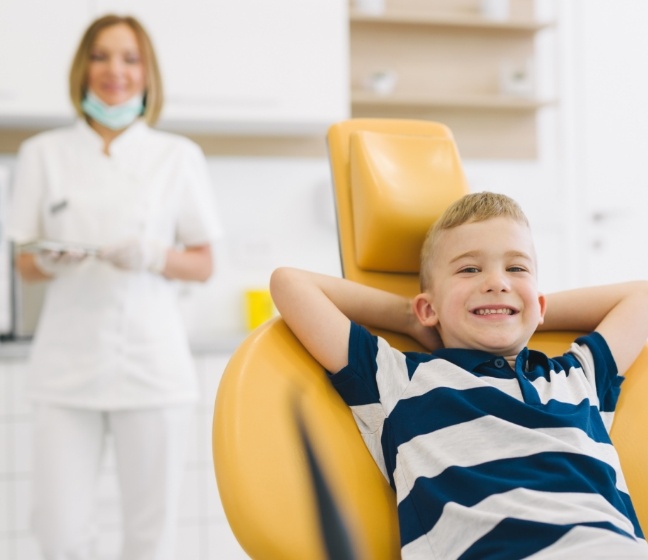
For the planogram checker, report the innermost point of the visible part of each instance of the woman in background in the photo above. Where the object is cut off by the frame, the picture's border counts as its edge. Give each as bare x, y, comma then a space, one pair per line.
110, 355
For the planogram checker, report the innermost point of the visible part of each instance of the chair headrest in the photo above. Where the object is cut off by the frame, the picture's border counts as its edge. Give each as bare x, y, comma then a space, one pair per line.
401, 185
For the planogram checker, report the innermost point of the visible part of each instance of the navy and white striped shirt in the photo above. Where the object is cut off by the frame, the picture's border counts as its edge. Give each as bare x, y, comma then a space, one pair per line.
491, 462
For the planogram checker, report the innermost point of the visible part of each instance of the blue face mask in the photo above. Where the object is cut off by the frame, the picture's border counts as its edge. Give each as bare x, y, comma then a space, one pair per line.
114, 117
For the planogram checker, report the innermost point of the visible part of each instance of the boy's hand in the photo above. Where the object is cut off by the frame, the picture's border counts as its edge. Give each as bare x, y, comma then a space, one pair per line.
617, 311
318, 309
428, 337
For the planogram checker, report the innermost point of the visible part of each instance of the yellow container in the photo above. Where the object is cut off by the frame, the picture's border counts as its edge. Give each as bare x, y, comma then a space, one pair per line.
258, 307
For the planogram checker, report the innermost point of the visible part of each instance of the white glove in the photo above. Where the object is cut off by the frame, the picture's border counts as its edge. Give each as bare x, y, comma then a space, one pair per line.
53, 263
136, 255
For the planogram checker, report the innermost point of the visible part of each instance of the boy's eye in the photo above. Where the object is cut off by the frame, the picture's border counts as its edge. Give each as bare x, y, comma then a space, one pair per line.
516, 269
469, 269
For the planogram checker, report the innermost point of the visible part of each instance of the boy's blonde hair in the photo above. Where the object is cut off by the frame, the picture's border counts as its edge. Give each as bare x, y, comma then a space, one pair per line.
153, 98
475, 207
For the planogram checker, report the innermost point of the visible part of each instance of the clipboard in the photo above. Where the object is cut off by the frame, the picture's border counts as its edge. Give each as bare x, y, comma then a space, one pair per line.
40, 245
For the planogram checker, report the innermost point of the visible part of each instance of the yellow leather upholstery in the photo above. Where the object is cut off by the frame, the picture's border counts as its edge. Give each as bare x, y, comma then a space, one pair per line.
379, 165
630, 434
260, 465
407, 172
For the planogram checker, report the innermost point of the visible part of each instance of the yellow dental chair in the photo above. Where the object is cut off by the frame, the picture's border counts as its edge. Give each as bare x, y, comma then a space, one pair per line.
392, 178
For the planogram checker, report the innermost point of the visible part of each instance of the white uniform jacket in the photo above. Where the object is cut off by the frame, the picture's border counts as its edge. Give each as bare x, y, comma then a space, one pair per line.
109, 338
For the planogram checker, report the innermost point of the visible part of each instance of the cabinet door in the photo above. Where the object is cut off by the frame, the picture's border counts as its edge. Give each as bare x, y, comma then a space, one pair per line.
37, 42
248, 65
6, 311
611, 120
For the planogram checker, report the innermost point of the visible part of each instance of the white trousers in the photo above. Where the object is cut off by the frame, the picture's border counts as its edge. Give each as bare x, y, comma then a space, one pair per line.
150, 449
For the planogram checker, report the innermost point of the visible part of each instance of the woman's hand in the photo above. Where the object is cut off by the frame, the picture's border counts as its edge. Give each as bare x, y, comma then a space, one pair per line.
53, 263
136, 255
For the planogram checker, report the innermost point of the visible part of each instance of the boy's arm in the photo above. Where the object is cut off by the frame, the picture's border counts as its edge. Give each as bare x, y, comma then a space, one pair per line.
619, 312
319, 308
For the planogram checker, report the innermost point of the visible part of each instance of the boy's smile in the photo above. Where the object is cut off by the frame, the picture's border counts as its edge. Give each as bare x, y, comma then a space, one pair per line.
494, 311
484, 292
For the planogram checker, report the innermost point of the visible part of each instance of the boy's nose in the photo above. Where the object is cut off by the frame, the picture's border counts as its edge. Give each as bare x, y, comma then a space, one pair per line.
496, 282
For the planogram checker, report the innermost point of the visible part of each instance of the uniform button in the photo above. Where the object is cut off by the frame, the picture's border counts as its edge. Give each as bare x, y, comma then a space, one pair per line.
500, 362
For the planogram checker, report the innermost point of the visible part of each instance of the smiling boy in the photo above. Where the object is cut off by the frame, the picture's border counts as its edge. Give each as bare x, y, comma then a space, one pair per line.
494, 450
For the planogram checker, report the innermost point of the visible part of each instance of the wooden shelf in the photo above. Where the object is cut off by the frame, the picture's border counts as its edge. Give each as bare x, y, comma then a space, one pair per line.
450, 20
454, 66
503, 102
212, 144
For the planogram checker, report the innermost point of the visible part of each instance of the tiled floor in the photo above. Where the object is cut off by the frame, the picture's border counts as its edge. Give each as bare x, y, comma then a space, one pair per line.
203, 529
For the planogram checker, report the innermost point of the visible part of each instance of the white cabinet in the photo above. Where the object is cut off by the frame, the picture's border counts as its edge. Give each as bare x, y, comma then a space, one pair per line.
610, 144
249, 66
6, 311
204, 532
37, 42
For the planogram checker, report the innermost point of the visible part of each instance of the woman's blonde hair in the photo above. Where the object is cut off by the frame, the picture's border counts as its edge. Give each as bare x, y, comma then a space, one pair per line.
153, 98
475, 207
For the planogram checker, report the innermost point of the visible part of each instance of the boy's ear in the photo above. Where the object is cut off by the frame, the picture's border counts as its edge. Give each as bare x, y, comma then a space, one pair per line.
542, 301
424, 310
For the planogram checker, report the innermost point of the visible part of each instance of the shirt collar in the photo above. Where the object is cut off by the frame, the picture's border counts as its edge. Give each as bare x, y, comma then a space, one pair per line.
465, 358
89, 135
128, 139
123, 143
527, 361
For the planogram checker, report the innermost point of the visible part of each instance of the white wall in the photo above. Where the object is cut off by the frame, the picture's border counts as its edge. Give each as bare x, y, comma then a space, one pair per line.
275, 212
605, 87
587, 193
279, 211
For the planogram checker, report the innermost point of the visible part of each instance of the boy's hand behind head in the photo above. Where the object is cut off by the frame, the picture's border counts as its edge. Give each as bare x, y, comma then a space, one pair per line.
428, 337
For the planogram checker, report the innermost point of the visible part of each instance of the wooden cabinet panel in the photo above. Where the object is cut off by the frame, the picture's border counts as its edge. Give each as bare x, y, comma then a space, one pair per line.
448, 63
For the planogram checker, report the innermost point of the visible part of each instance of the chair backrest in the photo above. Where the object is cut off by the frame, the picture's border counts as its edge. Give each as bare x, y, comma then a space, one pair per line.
402, 174
392, 179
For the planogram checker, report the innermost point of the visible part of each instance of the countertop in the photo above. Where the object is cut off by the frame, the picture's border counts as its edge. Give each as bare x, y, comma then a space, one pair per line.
14, 350
220, 344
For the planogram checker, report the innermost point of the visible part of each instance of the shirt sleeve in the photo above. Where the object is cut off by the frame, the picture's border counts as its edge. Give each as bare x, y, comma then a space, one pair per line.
24, 223
361, 387
598, 364
356, 382
198, 218
374, 380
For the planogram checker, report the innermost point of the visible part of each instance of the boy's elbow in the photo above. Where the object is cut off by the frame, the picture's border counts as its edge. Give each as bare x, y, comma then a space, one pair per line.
281, 281
278, 278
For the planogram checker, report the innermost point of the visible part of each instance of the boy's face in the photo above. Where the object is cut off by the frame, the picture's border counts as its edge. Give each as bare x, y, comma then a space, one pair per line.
484, 291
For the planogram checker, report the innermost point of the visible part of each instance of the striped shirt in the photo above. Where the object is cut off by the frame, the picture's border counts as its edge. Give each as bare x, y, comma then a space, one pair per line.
491, 462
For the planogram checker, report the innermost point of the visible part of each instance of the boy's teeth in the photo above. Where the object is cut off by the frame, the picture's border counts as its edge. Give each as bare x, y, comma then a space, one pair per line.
493, 311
